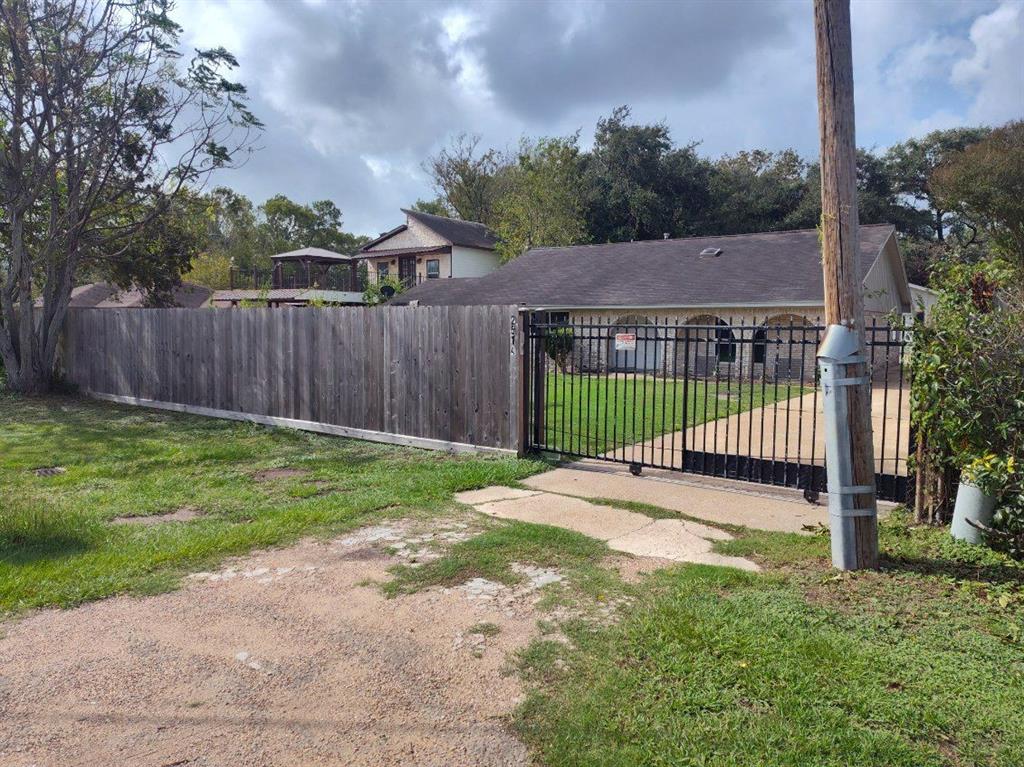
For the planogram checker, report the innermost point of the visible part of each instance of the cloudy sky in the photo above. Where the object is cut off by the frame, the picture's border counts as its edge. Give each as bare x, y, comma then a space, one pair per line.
356, 93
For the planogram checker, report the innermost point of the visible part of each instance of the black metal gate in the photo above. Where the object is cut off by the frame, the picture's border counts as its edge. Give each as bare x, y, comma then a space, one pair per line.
709, 396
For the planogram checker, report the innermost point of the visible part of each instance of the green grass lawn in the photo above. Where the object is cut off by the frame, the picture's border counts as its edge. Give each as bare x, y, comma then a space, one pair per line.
57, 546
919, 664
594, 414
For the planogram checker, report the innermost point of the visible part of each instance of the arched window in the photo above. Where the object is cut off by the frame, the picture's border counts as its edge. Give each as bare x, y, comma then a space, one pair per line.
716, 333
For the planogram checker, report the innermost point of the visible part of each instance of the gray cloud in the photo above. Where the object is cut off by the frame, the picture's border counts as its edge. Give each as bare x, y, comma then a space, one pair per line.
557, 56
355, 94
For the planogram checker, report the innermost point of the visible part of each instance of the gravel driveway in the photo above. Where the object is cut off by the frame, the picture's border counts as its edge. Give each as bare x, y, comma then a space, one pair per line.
286, 657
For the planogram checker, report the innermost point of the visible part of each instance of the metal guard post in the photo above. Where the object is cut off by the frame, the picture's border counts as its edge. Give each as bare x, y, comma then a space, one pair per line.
837, 353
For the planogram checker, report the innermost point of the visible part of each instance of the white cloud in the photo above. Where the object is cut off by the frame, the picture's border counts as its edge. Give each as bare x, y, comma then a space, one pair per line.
994, 72
356, 94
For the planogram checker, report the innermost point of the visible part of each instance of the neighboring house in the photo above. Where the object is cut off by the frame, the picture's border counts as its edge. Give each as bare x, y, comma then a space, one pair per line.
741, 285
296, 278
106, 295
922, 300
428, 247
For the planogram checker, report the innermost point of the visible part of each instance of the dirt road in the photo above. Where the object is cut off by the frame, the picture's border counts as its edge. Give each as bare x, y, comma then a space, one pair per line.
283, 658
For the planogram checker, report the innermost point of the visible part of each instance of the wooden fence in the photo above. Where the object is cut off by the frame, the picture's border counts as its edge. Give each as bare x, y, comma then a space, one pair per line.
444, 377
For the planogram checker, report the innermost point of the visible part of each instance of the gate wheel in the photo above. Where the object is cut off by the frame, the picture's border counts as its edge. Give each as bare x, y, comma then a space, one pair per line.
635, 469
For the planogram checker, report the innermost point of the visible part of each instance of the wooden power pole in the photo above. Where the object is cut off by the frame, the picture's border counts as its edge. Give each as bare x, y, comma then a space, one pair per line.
844, 303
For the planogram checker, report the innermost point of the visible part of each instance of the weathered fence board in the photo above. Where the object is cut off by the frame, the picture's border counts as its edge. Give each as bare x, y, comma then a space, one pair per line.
415, 375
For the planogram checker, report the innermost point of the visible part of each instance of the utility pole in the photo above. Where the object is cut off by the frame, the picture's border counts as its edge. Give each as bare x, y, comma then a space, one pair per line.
846, 382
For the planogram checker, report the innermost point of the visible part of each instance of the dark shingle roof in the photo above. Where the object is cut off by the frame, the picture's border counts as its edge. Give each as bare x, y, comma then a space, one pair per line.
106, 295
752, 269
467, 233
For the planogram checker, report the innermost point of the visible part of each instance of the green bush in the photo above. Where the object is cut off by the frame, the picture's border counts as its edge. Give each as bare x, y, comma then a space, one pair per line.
967, 395
374, 293
558, 345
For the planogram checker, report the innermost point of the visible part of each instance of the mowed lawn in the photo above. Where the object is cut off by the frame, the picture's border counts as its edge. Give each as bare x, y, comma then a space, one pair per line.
57, 543
918, 665
591, 415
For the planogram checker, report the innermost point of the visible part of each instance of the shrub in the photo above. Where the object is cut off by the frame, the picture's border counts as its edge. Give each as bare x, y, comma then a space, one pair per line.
375, 294
967, 396
558, 345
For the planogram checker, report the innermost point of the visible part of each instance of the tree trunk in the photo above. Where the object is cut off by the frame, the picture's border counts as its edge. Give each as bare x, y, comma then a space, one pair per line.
844, 303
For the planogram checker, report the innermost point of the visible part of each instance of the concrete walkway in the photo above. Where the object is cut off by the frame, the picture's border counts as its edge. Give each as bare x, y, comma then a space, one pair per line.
716, 501
677, 540
774, 432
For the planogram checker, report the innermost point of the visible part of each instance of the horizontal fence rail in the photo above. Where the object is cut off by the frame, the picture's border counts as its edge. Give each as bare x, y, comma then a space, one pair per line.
730, 399
431, 376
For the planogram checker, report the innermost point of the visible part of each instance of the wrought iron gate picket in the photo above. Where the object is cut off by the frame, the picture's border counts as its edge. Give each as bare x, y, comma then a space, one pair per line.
711, 397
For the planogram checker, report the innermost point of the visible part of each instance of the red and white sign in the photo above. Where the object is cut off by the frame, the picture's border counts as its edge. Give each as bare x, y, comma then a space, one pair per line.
625, 342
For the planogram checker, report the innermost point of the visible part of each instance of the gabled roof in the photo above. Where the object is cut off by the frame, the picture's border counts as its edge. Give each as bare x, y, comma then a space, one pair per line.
313, 253
383, 236
468, 234
770, 268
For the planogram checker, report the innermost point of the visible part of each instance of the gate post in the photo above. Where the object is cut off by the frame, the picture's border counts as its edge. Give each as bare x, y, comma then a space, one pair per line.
539, 375
839, 356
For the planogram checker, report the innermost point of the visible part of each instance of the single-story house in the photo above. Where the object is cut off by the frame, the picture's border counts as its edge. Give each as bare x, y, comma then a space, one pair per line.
735, 286
428, 247
107, 295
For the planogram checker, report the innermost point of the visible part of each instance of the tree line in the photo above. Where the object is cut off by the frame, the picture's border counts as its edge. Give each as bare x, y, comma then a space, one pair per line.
635, 183
108, 133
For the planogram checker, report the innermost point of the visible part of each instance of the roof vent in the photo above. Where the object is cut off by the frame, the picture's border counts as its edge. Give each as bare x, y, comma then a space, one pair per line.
712, 252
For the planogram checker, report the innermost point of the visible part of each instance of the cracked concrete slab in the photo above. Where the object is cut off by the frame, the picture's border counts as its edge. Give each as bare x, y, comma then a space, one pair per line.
494, 493
677, 540
591, 519
708, 503
674, 539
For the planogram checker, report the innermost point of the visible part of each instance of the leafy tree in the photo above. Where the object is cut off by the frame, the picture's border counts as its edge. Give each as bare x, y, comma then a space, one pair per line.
543, 203
687, 185
289, 225
233, 230
911, 165
983, 186
468, 183
161, 250
625, 180
966, 400
101, 129
760, 191
435, 207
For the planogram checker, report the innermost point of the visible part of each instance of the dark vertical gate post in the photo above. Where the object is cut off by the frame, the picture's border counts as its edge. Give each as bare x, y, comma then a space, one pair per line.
521, 361
539, 384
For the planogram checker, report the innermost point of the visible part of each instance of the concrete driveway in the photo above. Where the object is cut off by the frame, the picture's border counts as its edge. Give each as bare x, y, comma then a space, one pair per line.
784, 431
